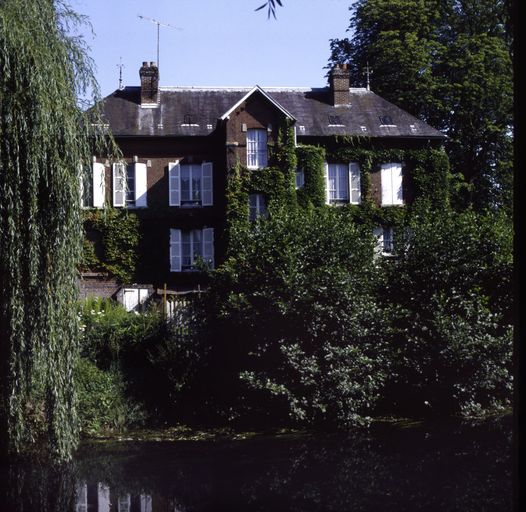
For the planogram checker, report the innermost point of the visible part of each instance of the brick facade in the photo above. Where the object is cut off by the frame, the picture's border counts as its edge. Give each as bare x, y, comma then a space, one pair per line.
151, 127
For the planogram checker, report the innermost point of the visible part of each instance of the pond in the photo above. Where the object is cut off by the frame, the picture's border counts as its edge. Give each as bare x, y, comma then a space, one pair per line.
445, 466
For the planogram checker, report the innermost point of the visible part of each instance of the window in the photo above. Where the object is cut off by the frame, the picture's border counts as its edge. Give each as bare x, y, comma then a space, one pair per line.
257, 154
257, 206
392, 190
300, 179
335, 121
188, 247
129, 185
386, 120
190, 185
385, 240
343, 183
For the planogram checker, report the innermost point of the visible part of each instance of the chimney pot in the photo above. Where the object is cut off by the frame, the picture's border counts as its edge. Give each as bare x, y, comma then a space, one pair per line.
339, 84
149, 74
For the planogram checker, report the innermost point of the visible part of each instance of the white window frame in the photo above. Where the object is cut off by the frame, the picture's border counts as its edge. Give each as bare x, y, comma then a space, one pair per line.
119, 184
257, 206
257, 148
129, 185
206, 184
391, 175
206, 249
343, 183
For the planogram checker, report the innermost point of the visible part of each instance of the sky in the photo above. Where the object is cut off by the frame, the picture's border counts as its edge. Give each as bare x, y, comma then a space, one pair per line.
216, 42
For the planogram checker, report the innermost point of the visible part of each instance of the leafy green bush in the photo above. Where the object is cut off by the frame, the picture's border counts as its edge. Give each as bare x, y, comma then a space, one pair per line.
297, 310
450, 292
157, 360
102, 401
108, 329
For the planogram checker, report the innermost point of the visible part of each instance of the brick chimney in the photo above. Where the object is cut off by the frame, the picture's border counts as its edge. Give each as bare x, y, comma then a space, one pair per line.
339, 83
149, 74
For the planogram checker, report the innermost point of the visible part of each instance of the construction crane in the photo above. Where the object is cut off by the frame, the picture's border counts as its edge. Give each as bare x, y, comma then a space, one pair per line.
159, 24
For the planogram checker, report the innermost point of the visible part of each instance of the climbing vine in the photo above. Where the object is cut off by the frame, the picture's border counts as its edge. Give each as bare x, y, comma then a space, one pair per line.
426, 174
111, 243
311, 161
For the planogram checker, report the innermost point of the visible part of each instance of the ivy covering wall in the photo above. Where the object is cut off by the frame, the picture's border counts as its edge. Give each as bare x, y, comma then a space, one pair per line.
111, 242
426, 171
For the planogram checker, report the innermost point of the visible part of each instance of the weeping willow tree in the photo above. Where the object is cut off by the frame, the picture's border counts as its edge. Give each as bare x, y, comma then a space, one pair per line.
45, 139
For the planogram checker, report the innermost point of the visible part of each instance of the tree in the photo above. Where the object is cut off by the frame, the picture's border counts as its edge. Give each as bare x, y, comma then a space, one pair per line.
271, 7
44, 141
301, 329
449, 63
450, 293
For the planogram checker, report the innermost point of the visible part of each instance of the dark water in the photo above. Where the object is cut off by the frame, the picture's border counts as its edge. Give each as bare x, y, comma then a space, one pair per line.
449, 466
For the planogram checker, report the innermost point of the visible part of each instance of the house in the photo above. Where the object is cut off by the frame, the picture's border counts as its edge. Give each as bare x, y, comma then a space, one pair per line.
179, 144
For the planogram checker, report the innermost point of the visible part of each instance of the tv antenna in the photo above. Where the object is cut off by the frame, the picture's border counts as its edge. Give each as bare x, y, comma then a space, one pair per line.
159, 24
368, 71
120, 65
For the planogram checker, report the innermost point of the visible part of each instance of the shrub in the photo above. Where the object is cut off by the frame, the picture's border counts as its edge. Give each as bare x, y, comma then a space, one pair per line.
102, 401
297, 310
451, 294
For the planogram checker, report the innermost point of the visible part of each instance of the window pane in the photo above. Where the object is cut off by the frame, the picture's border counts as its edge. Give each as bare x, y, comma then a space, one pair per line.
332, 181
130, 183
185, 183
343, 182
186, 249
197, 245
257, 148
196, 183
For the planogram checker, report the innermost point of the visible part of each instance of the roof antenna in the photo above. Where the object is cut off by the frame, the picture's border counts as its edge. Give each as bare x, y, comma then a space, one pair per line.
120, 65
159, 24
368, 72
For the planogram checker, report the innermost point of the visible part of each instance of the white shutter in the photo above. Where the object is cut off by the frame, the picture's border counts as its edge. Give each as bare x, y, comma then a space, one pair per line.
327, 188
396, 177
208, 246
99, 185
140, 186
207, 184
355, 193
81, 188
174, 183
175, 250
387, 184
378, 233
119, 184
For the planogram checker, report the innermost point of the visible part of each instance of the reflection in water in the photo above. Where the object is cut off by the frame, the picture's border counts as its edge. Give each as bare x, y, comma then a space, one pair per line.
97, 497
444, 467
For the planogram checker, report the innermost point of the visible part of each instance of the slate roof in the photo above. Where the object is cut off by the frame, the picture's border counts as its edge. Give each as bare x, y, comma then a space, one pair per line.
184, 111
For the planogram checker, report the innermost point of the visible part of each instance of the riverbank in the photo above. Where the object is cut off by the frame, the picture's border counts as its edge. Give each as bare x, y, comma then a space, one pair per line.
189, 433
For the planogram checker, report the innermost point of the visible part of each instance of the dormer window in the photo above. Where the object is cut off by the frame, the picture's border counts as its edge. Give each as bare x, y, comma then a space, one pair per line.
335, 121
386, 121
257, 153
